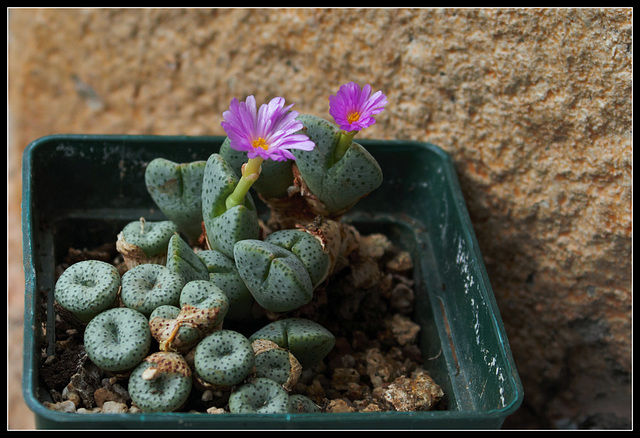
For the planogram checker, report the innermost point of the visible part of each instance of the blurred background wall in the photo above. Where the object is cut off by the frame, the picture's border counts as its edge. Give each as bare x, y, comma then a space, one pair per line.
534, 106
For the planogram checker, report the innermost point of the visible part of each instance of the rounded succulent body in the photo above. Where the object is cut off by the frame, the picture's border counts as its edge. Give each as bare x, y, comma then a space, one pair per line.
176, 189
276, 363
224, 358
307, 340
151, 237
117, 339
203, 294
145, 242
276, 278
170, 332
161, 383
148, 286
86, 288
261, 395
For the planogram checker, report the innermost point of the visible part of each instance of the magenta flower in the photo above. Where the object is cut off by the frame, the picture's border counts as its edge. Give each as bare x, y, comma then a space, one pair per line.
352, 108
267, 133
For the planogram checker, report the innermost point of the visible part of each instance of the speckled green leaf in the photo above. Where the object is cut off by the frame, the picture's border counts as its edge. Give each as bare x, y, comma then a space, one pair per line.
307, 340
276, 278
182, 259
308, 249
225, 227
177, 191
151, 237
224, 274
338, 184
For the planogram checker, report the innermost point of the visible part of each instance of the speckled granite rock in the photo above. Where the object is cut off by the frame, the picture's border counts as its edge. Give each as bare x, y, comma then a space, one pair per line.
533, 104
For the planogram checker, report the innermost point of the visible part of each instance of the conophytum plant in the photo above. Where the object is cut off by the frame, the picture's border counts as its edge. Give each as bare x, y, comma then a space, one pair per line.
213, 259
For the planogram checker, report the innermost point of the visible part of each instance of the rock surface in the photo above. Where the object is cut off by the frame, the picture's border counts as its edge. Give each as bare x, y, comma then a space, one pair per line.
534, 106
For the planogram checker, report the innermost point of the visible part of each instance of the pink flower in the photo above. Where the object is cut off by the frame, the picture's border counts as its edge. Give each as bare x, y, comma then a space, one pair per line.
353, 108
267, 133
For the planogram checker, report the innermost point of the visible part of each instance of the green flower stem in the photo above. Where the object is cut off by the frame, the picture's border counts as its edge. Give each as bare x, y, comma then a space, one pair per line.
250, 173
344, 142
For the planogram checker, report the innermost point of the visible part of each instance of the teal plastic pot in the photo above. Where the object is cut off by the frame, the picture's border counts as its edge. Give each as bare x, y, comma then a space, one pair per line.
79, 188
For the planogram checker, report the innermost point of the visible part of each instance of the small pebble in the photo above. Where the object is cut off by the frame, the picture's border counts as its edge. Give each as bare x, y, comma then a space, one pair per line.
419, 393
112, 407
401, 262
63, 406
340, 406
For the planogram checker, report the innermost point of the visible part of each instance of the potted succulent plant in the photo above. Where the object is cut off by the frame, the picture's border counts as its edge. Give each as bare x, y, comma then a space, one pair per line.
221, 307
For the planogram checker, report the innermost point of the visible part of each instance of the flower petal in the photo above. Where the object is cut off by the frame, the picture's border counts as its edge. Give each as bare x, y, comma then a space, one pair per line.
358, 103
272, 124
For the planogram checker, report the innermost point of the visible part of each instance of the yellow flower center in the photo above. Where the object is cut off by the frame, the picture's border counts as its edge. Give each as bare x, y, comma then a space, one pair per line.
353, 117
260, 143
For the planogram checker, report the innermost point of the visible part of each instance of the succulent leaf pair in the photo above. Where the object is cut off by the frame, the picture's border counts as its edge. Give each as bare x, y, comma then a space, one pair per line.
176, 189
148, 286
282, 271
307, 340
335, 184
